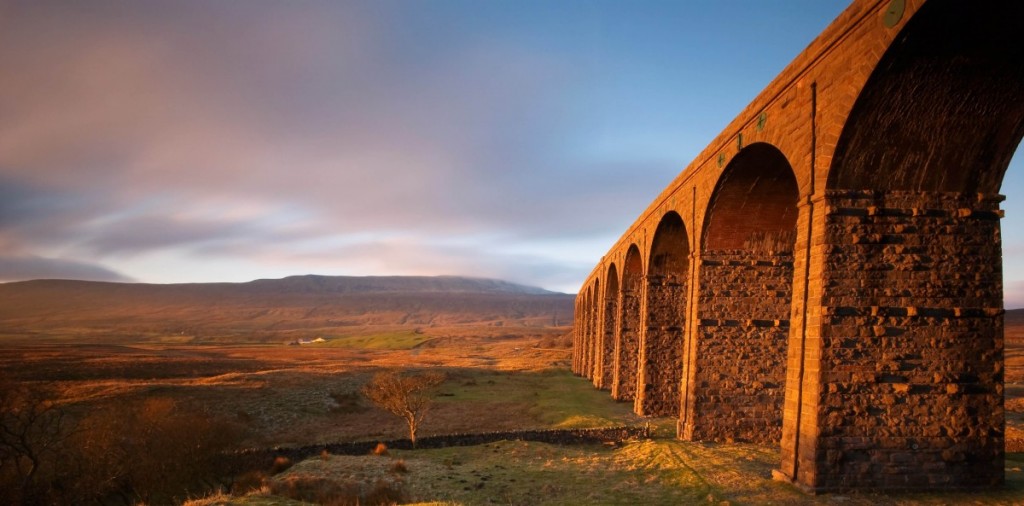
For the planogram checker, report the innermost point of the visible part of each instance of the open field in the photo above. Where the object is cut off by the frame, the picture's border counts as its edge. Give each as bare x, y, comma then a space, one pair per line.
498, 378
1014, 388
650, 471
298, 395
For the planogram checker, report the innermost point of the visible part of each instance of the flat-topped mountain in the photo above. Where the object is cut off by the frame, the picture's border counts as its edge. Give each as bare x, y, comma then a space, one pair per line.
270, 309
403, 284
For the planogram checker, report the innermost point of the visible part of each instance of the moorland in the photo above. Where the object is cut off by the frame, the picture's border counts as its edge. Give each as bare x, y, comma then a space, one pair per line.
156, 385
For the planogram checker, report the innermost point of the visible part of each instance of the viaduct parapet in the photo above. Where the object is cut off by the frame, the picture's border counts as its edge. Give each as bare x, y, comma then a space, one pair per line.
826, 275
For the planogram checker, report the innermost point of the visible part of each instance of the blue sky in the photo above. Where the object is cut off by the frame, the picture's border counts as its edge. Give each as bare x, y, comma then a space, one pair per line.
196, 141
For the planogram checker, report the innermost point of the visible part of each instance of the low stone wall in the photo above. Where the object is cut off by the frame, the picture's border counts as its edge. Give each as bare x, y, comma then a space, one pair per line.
261, 458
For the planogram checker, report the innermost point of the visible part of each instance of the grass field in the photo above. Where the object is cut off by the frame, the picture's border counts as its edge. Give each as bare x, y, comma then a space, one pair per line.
657, 471
399, 340
497, 380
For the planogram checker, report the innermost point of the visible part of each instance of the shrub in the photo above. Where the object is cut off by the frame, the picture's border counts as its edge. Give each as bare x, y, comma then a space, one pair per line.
156, 450
317, 490
385, 492
211, 500
399, 467
347, 402
249, 482
281, 463
34, 435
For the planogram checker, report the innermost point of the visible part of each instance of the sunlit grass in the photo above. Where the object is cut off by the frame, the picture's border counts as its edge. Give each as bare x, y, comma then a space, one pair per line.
660, 471
402, 340
554, 397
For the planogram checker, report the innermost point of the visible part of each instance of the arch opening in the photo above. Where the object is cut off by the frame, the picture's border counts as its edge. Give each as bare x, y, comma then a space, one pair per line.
737, 387
661, 360
628, 340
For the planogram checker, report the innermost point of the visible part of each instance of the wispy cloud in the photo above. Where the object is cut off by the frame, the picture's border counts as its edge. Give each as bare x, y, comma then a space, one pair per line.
16, 268
126, 135
447, 137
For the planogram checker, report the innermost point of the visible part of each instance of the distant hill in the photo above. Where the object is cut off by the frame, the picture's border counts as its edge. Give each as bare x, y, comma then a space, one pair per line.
1014, 317
393, 284
1013, 323
269, 309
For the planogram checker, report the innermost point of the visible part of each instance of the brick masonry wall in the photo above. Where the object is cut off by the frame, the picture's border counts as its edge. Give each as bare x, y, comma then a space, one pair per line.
661, 365
744, 308
577, 334
592, 334
584, 337
624, 387
912, 342
611, 308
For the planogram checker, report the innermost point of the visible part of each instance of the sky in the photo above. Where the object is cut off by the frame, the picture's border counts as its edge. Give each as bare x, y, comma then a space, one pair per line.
198, 141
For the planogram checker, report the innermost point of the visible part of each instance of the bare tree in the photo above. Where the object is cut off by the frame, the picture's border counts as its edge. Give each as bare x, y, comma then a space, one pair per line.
33, 430
405, 395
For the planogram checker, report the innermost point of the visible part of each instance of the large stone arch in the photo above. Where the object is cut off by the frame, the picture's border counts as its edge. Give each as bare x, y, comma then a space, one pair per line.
611, 318
627, 341
943, 110
661, 353
908, 362
737, 385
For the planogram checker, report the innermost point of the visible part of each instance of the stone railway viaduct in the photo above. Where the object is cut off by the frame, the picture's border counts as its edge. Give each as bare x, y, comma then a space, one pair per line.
826, 275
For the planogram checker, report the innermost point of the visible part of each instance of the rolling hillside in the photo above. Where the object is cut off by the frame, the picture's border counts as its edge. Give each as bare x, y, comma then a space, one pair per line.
269, 310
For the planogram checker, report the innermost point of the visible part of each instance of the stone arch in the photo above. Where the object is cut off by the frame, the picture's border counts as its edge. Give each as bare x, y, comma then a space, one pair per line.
943, 110
912, 284
661, 356
753, 206
744, 301
627, 342
611, 316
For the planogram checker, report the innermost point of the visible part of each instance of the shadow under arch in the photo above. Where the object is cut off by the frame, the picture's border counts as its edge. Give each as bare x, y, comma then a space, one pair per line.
737, 363
911, 286
611, 317
944, 108
627, 340
661, 353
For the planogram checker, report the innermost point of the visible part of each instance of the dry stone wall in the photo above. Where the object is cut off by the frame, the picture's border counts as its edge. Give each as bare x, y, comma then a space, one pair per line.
912, 346
743, 308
